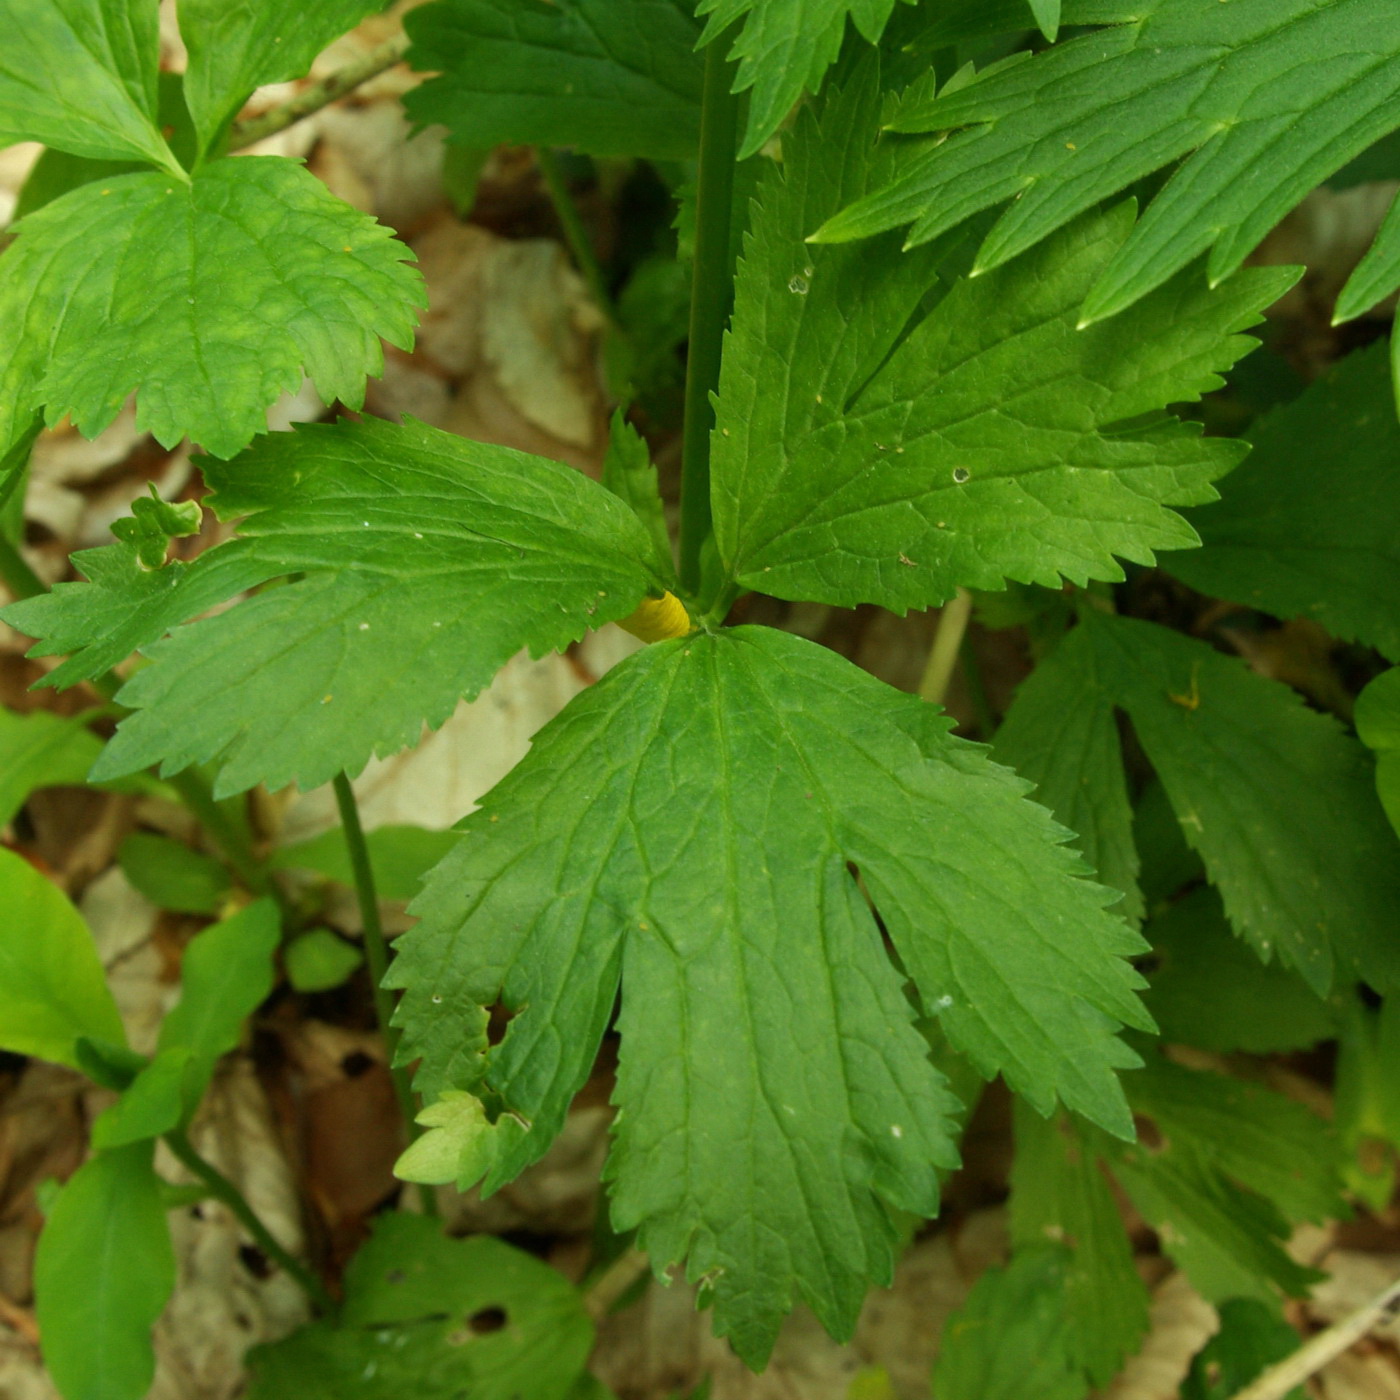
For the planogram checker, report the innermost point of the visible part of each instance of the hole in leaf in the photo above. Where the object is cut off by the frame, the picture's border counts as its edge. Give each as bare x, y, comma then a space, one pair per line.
486, 1320
255, 1261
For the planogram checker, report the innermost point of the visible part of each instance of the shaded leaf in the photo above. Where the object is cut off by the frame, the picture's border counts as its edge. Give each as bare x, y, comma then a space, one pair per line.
1304, 528
318, 961
1060, 1194
609, 77
39, 750
172, 876
1378, 724
420, 1318
399, 856
1009, 1339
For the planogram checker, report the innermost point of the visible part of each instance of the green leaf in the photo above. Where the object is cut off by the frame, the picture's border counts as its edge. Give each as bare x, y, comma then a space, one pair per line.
172, 876
234, 48
1377, 274
686, 826
1252, 1337
399, 856
154, 1102
39, 750
628, 472
318, 961
460, 1145
1059, 1194
1047, 16
1246, 1132
153, 523
1210, 990
55, 989
1009, 1341
81, 75
1227, 87
1228, 1242
784, 48
419, 1309
56, 172
1378, 724
102, 1274
888, 431
225, 975
609, 77
1293, 538
210, 297
1241, 758
1068, 746
456, 552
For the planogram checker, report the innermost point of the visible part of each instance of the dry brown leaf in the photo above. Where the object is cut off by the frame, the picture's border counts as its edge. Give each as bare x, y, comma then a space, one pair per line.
1354, 1278
141, 975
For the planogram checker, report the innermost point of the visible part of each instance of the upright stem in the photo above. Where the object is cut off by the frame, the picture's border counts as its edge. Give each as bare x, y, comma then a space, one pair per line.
575, 234
376, 948
222, 1189
710, 296
947, 642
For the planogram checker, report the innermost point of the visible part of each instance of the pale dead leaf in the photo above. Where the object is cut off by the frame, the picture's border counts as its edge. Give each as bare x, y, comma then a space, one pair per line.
1357, 1376
1354, 1278
1181, 1324
123, 924
221, 1305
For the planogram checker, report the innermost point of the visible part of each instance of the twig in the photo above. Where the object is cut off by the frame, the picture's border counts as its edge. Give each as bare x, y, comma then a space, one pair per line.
222, 1189
1325, 1347
318, 95
947, 642
613, 1282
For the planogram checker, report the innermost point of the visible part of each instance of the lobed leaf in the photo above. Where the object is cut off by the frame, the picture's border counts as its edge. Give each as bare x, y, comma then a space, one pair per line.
1305, 527
687, 828
784, 48
425, 562
1060, 1193
888, 430
1239, 757
610, 77
410, 1293
80, 75
1009, 1339
210, 297
1260, 100
236, 47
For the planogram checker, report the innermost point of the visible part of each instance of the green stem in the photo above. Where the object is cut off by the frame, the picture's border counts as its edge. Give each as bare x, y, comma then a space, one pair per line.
377, 956
947, 641
319, 95
711, 292
222, 1189
575, 234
